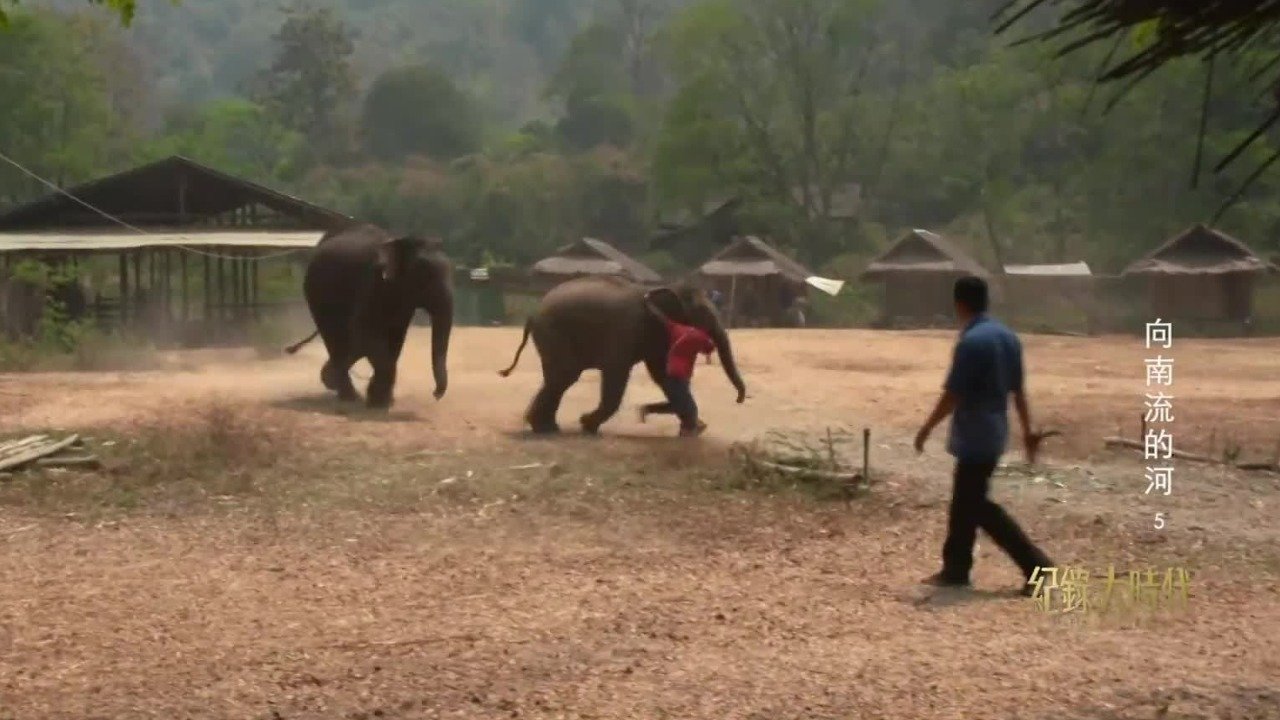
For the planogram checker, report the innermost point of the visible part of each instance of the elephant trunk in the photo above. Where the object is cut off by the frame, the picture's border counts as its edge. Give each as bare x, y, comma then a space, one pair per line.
441, 327
721, 338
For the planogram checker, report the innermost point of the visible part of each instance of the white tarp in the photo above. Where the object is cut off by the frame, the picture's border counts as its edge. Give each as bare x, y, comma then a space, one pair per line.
826, 285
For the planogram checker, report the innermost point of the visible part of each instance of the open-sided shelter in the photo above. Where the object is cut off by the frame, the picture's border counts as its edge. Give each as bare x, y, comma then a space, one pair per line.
178, 230
760, 284
1201, 275
918, 273
590, 256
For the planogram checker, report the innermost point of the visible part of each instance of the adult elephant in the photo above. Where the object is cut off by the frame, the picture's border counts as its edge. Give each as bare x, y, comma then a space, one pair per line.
601, 323
363, 286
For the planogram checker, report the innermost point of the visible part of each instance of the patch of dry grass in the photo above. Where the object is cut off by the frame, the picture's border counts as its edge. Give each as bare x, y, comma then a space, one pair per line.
176, 460
91, 351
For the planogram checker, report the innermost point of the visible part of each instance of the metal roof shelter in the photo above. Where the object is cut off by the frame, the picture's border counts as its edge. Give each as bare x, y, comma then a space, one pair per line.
154, 217
175, 192
1075, 269
1057, 297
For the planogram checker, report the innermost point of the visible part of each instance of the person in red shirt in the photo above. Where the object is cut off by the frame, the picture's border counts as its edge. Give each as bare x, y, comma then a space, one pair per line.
685, 344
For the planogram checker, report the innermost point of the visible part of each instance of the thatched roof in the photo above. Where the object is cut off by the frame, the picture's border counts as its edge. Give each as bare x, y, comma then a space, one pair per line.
589, 256
921, 251
1199, 250
751, 256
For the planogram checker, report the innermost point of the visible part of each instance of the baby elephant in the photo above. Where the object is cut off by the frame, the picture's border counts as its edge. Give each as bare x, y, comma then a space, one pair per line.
601, 323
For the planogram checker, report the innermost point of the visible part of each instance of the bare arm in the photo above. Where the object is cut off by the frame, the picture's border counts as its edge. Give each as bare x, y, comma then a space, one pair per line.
1029, 440
1024, 413
946, 403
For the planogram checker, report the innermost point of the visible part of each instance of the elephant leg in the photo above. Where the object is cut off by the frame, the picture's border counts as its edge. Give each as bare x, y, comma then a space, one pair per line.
613, 385
384, 360
397, 338
327, 377
541, 415
382, 384
336, 375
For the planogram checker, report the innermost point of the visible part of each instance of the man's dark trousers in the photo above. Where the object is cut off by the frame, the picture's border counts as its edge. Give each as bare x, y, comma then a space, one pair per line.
679, 402
971, 509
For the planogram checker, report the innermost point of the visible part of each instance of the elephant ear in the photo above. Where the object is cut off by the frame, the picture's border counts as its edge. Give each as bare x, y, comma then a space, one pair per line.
394, 254
671, 304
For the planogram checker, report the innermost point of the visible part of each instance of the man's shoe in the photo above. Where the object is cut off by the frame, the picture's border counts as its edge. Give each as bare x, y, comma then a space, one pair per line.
940, 580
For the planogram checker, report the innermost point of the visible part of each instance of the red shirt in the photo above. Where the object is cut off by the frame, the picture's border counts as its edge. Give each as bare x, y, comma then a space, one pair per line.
686, 343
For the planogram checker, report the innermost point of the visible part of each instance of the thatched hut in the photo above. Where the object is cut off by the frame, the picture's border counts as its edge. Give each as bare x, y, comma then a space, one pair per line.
760, 285
918, 272
590, 256
1202, 276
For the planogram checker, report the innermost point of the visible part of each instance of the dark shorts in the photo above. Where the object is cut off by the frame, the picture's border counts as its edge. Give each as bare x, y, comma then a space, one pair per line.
680, 396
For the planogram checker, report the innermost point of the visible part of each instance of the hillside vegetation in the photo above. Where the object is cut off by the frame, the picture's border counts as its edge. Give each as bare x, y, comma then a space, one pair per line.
509, 127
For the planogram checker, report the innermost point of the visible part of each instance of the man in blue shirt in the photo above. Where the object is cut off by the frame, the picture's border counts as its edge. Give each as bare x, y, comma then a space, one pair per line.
985, 370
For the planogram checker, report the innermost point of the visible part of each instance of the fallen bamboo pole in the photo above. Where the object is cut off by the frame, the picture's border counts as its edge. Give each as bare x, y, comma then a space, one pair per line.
22, 458
1134, 444
809, 472
1264, 466
15, 446
75, 461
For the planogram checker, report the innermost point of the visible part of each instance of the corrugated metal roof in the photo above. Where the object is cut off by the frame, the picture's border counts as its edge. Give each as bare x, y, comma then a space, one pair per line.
1075, 269
10, 242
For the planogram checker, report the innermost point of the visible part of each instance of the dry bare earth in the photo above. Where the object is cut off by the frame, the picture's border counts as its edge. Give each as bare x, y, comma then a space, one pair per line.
255, 553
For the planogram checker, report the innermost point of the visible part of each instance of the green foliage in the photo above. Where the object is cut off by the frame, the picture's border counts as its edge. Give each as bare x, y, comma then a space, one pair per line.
59, 342
419, 111
592, 84
773, 85
234, 135
310, 86
512, 127
124, 9
56, 112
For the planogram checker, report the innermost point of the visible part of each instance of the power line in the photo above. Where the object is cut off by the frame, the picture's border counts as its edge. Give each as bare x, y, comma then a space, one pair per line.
50, 184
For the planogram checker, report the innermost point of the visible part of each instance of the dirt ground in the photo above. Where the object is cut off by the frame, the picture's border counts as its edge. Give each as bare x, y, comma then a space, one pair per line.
438, 562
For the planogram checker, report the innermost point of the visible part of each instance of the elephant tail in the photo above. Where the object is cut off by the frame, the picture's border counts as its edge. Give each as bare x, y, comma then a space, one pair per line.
528, 325
298, 345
